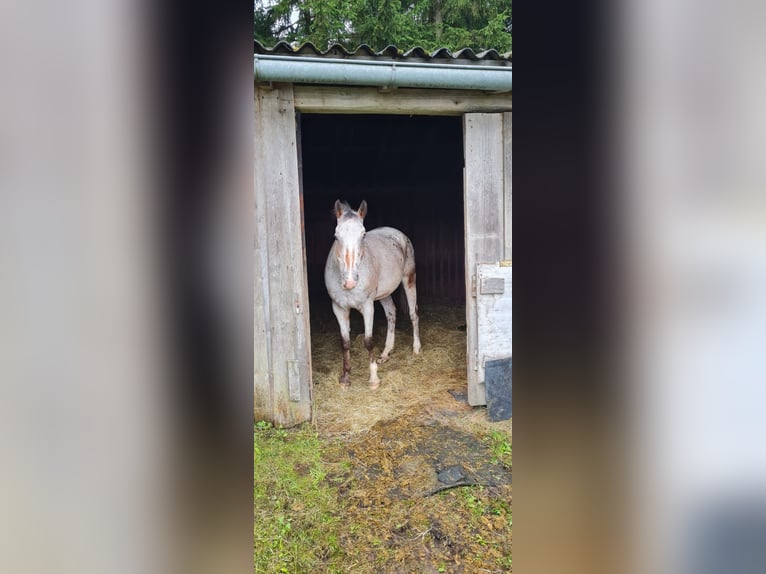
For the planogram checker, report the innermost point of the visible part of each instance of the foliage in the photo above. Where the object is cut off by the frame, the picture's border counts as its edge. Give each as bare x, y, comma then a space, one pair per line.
430, 24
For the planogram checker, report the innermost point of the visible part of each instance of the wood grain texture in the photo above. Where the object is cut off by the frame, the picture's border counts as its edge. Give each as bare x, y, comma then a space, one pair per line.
364, 100
508, 182
484, 227
281, 308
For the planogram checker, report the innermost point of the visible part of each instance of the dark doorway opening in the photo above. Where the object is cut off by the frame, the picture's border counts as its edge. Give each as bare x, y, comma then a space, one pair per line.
410, 172
409, 169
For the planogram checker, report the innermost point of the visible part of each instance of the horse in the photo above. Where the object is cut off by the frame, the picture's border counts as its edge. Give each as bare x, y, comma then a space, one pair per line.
363, 267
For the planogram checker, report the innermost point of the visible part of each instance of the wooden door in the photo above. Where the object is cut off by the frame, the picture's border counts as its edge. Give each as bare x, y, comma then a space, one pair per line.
282, 348
487, 205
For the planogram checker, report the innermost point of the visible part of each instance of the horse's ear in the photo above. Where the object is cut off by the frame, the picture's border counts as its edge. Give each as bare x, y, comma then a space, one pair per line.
338, 208
362, 211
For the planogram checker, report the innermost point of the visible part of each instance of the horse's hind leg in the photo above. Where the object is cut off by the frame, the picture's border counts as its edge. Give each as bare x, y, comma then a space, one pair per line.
368, 312
412, 302
390, 309
345, 341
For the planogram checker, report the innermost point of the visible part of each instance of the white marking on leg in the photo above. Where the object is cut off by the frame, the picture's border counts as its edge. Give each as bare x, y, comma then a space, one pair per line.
368, 312
374, 380
415, 334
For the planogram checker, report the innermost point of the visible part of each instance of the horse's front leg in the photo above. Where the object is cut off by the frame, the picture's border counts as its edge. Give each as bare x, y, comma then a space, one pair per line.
368, 312
345, 341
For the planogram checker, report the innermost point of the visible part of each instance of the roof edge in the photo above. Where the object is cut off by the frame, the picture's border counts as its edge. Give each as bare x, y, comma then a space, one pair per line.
382, 73
486, 57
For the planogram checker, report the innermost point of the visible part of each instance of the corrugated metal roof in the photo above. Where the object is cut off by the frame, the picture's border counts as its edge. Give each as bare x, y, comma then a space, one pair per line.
466, 56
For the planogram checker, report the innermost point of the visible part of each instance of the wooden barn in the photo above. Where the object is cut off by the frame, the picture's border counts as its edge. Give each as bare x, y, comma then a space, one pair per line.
425, 139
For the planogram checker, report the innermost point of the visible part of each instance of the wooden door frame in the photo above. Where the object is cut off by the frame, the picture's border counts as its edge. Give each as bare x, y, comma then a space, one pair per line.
487, 195
282, 361
363, 100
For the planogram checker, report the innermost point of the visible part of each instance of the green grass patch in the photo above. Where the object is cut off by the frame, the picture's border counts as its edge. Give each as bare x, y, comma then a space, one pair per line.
487, 519
295, 525
500, 445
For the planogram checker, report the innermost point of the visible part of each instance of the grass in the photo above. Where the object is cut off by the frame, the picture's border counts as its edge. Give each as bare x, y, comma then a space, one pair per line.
305, 519
295, 528
500, 445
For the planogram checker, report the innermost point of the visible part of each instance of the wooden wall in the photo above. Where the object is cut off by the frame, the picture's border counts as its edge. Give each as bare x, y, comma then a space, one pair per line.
488, 221
282, 360
412, 172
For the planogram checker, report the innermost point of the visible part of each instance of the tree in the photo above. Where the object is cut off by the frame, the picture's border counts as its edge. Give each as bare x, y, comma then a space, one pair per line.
430, 24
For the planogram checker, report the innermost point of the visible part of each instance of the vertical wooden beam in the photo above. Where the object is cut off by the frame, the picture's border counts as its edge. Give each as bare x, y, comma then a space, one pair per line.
484, 214
282, 348
508, 183
263, 398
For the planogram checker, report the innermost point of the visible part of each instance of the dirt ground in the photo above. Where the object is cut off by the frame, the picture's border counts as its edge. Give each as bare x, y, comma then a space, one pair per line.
425, 477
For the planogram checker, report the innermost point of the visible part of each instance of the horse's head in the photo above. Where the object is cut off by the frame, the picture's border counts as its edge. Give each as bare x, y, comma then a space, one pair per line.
349, 234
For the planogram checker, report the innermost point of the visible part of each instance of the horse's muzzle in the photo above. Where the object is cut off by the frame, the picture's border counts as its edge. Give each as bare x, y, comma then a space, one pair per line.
349, 284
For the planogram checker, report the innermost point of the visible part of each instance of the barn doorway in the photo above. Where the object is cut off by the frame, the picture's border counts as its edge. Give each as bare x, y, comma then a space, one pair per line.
409, 169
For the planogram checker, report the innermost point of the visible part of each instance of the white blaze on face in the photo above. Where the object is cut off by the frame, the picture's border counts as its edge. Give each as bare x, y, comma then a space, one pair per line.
349, 234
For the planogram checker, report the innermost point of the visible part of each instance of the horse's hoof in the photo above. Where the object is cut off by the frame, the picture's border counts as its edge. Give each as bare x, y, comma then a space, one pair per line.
374, 386
382, 359
344, 382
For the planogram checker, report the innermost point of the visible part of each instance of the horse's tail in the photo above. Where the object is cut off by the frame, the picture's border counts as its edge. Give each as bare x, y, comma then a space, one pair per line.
409, 256
410, 250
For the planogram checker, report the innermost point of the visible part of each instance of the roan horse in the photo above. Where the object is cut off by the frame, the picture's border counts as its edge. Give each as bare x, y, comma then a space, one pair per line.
364, 267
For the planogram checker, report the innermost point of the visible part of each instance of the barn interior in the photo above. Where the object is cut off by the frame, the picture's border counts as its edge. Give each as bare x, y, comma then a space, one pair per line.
409, 169
410, 172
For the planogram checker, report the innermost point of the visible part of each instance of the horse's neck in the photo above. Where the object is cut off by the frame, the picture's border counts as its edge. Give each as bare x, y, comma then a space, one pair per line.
367, 267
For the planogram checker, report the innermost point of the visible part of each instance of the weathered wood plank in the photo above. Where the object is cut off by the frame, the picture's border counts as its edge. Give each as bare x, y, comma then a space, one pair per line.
484, 214
281, 262
508, 182
262, 397
304, 327
363, 100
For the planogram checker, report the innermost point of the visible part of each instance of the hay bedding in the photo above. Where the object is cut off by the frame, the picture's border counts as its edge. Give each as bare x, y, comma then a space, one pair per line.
412, 386
408, 382
416, 386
